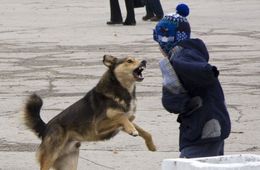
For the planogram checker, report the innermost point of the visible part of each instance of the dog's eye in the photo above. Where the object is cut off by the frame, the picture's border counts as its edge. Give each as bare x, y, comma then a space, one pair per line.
130, 61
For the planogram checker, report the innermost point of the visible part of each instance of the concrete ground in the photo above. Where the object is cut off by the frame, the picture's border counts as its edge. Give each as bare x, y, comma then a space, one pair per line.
55, 48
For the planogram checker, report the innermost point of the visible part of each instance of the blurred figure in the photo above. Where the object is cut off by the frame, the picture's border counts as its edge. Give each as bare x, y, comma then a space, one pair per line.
116, 16
154, 11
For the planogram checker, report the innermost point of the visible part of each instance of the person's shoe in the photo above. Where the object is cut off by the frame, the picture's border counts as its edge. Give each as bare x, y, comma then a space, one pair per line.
156, 18
114, 22
147, 17
133, 23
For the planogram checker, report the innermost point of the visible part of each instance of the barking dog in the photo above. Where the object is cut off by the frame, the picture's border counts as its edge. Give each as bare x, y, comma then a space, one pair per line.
104, 111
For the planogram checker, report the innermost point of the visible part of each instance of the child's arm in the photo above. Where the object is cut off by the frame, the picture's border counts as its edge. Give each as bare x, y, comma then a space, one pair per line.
175, 99
180, 103
170, 78
174, 103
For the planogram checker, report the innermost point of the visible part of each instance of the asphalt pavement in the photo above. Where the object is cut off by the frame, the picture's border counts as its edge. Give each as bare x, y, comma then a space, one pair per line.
55, 48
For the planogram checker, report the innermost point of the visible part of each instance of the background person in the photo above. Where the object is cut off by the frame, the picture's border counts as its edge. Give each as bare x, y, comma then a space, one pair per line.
116, 16
154, 11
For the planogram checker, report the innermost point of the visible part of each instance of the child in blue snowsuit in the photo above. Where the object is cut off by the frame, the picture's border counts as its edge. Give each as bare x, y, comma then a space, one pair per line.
191, 88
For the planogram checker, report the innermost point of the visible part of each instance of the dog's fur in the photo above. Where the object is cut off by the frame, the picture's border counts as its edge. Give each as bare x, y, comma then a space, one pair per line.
105, 110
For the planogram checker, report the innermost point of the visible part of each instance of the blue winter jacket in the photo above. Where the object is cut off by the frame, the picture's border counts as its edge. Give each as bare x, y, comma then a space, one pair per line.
211, 121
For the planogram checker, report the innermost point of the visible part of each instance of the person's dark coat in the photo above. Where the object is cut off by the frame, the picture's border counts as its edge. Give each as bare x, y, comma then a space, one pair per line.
211, 121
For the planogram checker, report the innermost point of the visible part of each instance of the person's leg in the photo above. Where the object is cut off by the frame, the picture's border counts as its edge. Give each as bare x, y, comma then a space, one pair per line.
221, 148
130, 17
203, 150
116, 16
149, 10
157, 10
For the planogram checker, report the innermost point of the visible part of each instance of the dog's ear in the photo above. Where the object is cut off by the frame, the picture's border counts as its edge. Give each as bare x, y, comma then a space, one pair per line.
109, 60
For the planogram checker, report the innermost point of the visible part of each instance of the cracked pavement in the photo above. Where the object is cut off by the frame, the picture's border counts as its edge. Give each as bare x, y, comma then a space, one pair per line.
55, 48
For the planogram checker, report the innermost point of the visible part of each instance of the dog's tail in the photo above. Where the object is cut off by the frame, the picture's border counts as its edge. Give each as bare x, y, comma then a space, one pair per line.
32, 115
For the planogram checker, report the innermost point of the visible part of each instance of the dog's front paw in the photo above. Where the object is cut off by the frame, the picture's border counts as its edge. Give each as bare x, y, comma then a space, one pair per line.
131, 131
134, 133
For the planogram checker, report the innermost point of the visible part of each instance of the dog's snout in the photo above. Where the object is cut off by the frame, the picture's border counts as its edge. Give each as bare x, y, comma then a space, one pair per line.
143, 62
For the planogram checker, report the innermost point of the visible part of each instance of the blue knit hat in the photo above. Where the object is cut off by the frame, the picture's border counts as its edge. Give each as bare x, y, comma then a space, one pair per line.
173, 28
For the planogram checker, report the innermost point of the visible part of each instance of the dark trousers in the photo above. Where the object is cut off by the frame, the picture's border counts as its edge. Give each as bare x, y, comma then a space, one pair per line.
203, 150
154, 7
116, 15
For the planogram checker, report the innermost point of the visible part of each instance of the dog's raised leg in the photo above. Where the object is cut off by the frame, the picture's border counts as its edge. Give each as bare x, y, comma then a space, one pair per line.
128, 126
147, 137
117, 117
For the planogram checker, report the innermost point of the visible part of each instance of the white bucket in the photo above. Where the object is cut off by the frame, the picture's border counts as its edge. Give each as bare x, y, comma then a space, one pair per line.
228, 162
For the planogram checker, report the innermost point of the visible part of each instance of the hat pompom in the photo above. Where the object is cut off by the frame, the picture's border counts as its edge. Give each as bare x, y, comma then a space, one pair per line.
183, 10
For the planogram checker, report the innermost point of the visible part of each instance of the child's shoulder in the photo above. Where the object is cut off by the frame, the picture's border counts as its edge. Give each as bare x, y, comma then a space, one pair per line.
195, 48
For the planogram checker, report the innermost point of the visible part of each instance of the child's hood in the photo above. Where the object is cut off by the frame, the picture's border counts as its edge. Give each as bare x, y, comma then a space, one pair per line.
196, 44
192, 65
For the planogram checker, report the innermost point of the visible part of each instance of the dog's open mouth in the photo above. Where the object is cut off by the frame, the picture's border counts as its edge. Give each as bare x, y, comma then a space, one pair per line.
138, 71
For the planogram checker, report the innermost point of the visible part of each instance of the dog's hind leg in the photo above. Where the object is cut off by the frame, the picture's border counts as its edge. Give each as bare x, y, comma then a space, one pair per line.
147, 137
51, 147
68, 159
47, 156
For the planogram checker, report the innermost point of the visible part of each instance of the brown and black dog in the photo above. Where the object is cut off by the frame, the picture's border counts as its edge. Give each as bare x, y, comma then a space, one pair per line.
104, 111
